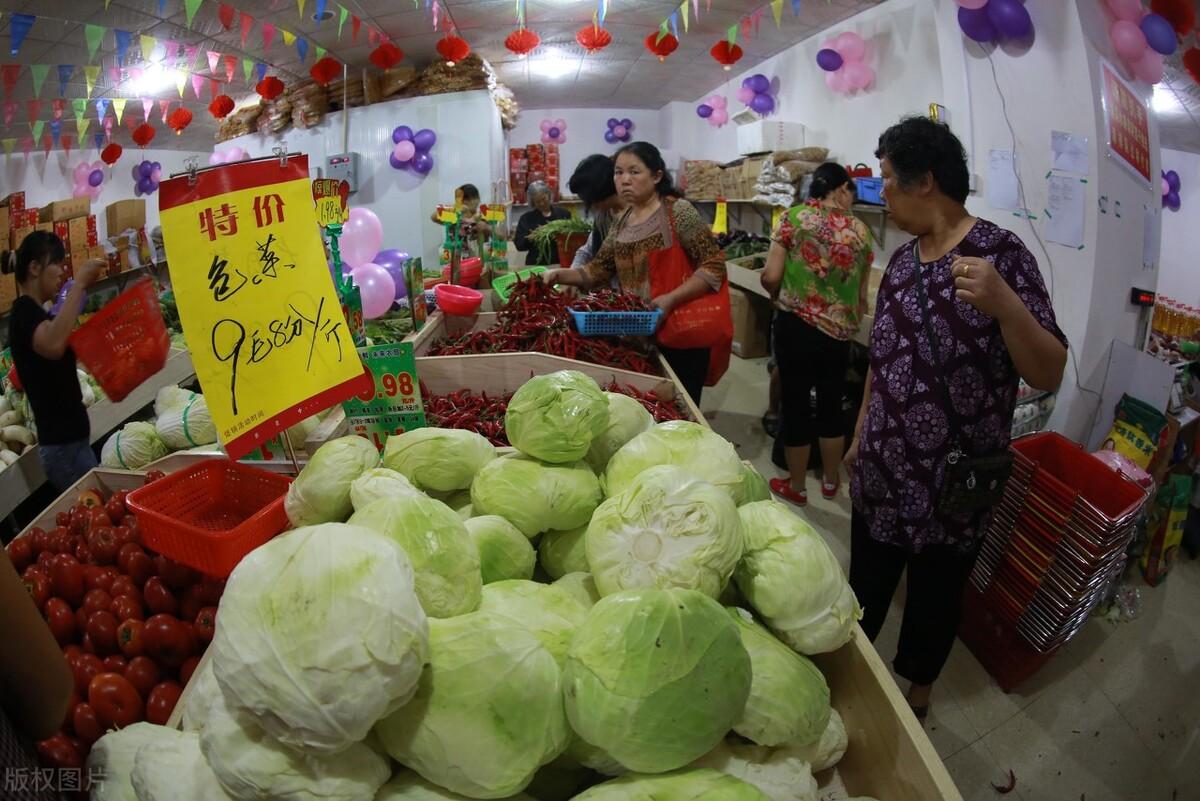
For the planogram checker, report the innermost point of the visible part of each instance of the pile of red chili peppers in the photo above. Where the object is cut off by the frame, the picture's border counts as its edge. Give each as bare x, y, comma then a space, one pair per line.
536, 319
485, 415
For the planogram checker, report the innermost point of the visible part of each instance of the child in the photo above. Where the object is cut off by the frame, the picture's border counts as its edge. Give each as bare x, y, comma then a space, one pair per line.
473, 229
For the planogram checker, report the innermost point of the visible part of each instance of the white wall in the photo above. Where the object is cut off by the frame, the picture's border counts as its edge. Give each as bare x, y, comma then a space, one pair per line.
48, 179
1179, 264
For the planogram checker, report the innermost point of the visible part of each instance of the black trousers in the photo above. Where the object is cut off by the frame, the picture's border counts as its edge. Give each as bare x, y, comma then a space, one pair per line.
691, 366
932, 607
808, 358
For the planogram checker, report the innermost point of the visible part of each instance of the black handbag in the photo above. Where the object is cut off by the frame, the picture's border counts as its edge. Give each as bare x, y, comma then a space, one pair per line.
972, 483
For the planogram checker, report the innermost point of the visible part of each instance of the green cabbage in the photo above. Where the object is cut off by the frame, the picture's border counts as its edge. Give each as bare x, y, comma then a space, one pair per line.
754, 486
321, 635
321, 493
563, 552
535, 496
779, 775
377, 483
112, 757
555, 417
187, 426
828, 750
488, 712
438, 459
411, 787
794, 582
504, 552
133, 447
444, 557
561, 780
681, 443
655, 678
626, 419
693, 784
171, 766
582, 588
170, 398
789, 699
666, 529
203, 690
550, 613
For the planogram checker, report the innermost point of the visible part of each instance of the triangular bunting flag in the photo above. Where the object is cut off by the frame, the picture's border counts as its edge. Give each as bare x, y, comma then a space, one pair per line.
9, 144
66, 145
191, 7
27, 145
268, 35
163, 105
213, 60
147, 43
247, 22
123, 40
114, 75
732, 33
162, 6
98, 140
36, 128
18, 29
795, 8
108, 126
319, 13
39, 72
289, 38
81, 127
170, 48
180, 83
147, 107
757, 18
93, 34
79, 106
247, 69
355, 24
683, 12
10, 111
65, 71
664, 30
118, 104
675, 23
33, 108
59, 105
320, 52
197, 85
603, 11
9, 74
130, 123
342, 15
190, 54
373, 36
230, 67
777, 11
91, 73
302, 48
225, 13
300, 8
696, 8
260, 71
101, 107
47, 145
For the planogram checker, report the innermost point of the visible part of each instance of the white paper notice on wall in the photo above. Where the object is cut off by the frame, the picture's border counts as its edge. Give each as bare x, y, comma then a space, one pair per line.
1065, 210
1002, 189
1069, 152
1150, 234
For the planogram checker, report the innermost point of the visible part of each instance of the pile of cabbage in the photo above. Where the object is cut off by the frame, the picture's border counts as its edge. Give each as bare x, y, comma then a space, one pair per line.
614, 611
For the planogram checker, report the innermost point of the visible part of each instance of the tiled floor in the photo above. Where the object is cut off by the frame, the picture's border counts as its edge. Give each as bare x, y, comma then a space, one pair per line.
1114, 716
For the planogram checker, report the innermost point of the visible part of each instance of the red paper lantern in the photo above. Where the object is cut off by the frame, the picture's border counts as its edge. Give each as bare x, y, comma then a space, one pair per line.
386, 56
1191, 63
522, 41
179, 119
453, 48
1179, 13
726, 54
269, 88
111, 153
221, 106
593, 38
325, 70
661, 47
143, 134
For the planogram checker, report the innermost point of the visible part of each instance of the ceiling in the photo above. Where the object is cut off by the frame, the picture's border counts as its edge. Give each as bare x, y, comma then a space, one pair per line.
558, 73
1176, 103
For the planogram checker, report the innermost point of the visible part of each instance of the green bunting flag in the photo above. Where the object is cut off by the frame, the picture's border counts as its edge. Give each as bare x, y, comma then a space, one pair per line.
36, 126
93, 34
342, 16
39, 72
191, 7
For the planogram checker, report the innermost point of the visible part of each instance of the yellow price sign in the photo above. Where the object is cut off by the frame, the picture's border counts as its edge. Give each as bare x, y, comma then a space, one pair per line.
446, 215
721, 218
332, 200
492, 213
259, 311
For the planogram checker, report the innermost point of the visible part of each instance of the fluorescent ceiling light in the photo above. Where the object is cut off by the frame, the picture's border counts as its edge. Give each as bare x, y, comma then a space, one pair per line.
554, 62
155, 78
1164, 100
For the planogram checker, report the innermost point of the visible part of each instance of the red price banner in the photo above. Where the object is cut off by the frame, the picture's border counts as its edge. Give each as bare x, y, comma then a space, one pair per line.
1128, 124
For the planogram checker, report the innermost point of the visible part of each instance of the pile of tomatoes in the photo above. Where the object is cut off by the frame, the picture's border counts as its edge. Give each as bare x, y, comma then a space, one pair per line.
132, 624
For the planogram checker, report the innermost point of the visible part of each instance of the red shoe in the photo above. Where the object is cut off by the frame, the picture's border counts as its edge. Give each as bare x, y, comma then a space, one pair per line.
830, 491
783, 488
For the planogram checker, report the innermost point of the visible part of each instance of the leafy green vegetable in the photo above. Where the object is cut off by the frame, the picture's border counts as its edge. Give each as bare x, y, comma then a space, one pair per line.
778, 774
411, 787
535, 496
438, 459
693, 784
582, 588
681, 443
550, 613
378, 483
555, 417
321, 493
754, 486
626, 419
132, 447
504, 552
563, 552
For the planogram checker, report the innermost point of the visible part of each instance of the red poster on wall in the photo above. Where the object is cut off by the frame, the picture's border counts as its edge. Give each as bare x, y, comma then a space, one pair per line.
1127, 122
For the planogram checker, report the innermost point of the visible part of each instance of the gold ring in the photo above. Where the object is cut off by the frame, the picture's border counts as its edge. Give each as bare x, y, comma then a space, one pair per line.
966, 271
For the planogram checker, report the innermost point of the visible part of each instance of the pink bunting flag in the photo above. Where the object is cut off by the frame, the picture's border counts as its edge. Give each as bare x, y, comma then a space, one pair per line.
372, 35
147, 107
114, 75
10, 111
213, 60
59, 105
131, 123
163, 106
108, 126
197, 85
190, 54
247, 22
230, 67
170, 48
437, 14
27, 145
268, 35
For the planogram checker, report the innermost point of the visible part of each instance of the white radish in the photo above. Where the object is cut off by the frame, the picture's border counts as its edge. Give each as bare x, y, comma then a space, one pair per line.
15, 433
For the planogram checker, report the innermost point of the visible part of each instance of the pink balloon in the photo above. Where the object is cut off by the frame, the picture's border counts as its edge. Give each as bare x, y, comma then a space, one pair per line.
859, 75
362, 237
1128, 40
82, 170
1149, 67
376, 287
718, 118
404, 150
850, 46
745, 94
838, 81
717, 101
973, 5
619, 131
1128, 10
1166, 187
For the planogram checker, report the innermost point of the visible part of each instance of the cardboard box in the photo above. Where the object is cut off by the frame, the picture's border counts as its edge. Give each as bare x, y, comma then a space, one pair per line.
82, 232
751, 324
765, 136
66, 209
5, 219
17, 236
124, 214
15, 203
48, 227
8, 291
29, 218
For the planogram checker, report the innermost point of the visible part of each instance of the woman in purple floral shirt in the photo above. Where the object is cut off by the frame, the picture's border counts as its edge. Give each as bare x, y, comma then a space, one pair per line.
993, 325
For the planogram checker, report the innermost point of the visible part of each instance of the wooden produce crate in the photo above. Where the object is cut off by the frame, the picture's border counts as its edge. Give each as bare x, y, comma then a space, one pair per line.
104, 479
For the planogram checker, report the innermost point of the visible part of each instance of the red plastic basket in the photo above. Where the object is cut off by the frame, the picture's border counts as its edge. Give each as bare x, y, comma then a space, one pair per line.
126, 342
1074, 473
210, 515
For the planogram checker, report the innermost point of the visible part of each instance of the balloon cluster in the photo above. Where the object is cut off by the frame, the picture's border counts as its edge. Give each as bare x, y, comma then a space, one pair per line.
756, 93
378, 274
987, 21
714, 111
554, 132
618, 130
146, 176
1170, 190
229, 156
1141, 39
844, 60
89, 179
412, 149
61, 297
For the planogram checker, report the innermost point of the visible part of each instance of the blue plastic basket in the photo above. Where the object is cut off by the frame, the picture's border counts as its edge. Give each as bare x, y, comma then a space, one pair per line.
616, 324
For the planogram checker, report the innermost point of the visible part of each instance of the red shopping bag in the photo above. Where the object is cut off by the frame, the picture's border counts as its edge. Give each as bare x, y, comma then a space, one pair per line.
703, 322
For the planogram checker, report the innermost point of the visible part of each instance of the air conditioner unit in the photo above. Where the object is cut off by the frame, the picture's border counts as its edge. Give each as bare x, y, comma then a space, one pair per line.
756, 135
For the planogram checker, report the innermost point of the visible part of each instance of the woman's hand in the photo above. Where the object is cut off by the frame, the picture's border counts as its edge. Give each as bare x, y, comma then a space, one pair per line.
977, 282
89, 272
851, 456
552, 277
666, 303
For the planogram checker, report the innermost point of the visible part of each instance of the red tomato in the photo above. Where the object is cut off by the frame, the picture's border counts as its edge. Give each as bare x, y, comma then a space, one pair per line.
96, 577
38, 587
115, 664
154, 475
140, 568
206, 624
126, 607
81, 552
115, 700
36, 570
115, 509
60, 541
124, 534
39, 540
176, 576
190, 603
121, 495
102, 540
20, 552
86, 666
72, 652
102, 628
44, 559
159, 599
187, 669
124, 585
211, 590
143, 674
162, 702
66, 578
86, 642
135, 529
59, 752
61, 620
96, 601
63, 519
79, 519
97, 518
86, 724
168, 640
129, 637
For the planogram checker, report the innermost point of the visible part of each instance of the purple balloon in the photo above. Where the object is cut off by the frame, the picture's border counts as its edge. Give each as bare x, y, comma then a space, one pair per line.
62, 296
136, 172
1173, 180
977, 25
553, 133
1010, 18
95, 178
394, 262
1159, 34
402, 134
610, 137
424, 139
829, 60
1172, 201
145, 169
763, 104
156, 166
145, 185
760, 83
422, 163
627, 123
613, 122
396, 163
704, 111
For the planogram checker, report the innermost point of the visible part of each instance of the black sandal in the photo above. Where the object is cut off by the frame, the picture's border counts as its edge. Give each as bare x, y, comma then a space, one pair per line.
770, 424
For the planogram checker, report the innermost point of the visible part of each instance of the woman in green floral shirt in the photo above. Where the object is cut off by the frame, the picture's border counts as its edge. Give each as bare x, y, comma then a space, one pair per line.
817, 273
